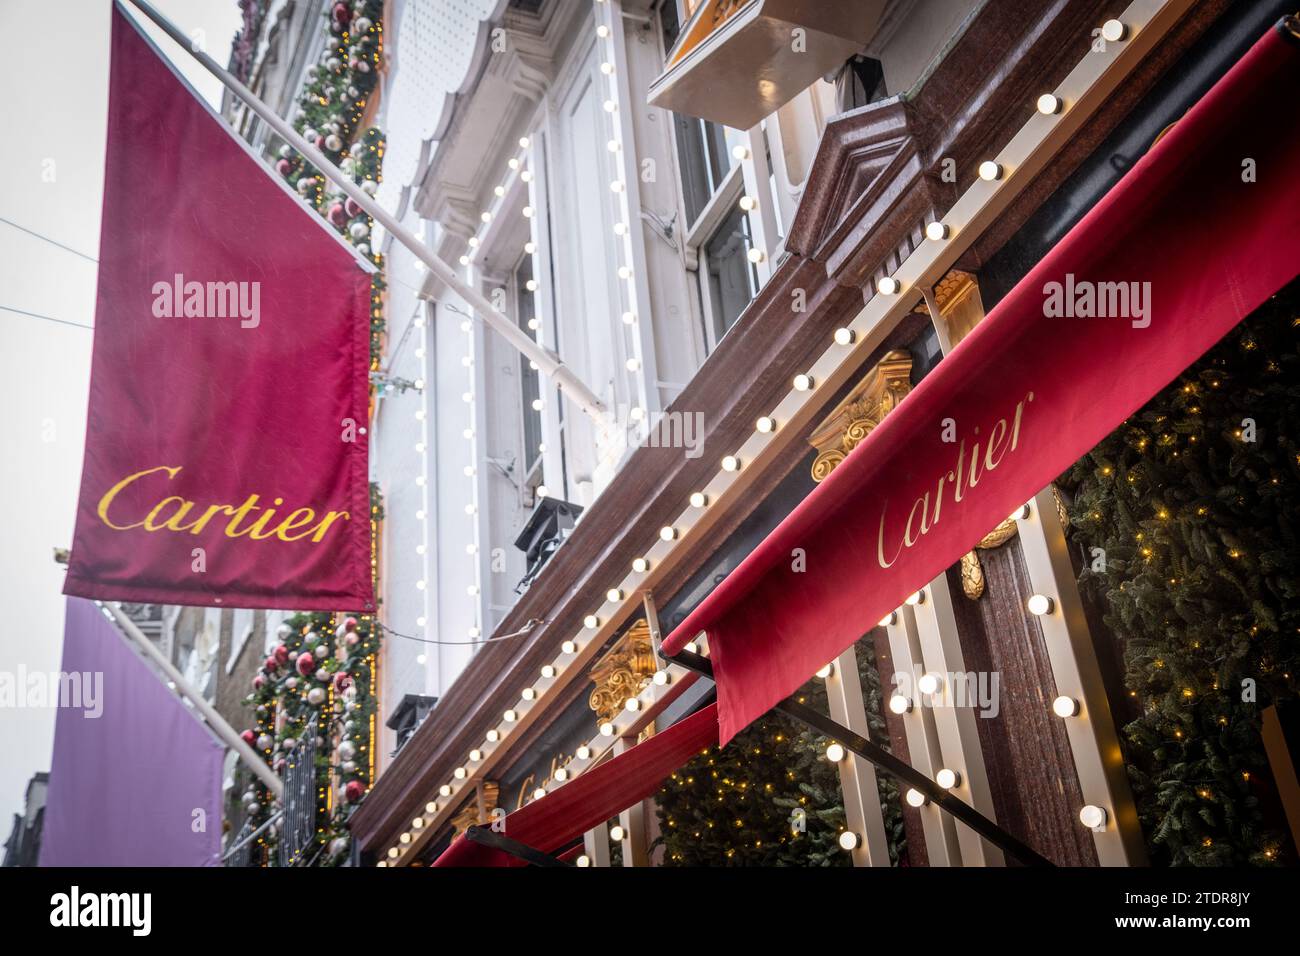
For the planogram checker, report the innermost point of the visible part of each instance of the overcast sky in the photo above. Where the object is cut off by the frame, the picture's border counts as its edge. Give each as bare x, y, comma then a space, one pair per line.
53, 112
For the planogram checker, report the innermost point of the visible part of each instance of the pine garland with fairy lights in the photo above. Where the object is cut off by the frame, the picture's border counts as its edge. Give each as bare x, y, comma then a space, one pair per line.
1194, 504
771, 797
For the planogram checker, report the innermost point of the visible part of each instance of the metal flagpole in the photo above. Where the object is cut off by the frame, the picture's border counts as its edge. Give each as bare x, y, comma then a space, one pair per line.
547, 361
214, 719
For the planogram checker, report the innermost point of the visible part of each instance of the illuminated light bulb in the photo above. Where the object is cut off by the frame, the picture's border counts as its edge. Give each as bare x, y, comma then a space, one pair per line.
636, 413
610, 106
1049, 104
510, 716
419, 481
915, 798
471, 509
620, 229
633, 364
849, 840
460, 773
421, 659
475, 755
629, 318
1065, 706
420, 549
539, 793
526, 176
756, 255
469, 471
419, 448
445, 790
583, 752
523, 142
845, 336
542, 491
699, 499
417, 823
472, 590
512, 163
899, 704
1093, 817
499, 191
548, 671
468, 434
803, 383
471, 548
887, 285
730, 463
591, 622
662, 678
382, 864
602, 31
485, 216
613, 146
614, 594
1020, 513
692, 647
667, 533
531, 286
431, 808
419, 353
640, 565
740, 152
1113, 30
530, 247
1039, 604
419, 415
527, 212
766, 425
826, 670
538, 404
420, 585
748, 203
616, 186
624, 272
472, 631
607, 729
916, 597
632, 704
569, 647
947, 778
493, 735
420, 622
889, 619
529, 693
464, 260
561, 774
583, 861
392, 853
936, 231
617, 833
835, 753
473, 243
928, 683
607, 69
990, 171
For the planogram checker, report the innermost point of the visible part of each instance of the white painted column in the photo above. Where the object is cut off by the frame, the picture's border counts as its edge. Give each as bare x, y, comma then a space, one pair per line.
862, 810
959, 741
595, 845
1094, 742
923, 750
762, 218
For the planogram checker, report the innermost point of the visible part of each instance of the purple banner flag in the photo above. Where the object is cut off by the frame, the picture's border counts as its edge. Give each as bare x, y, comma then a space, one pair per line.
136, 778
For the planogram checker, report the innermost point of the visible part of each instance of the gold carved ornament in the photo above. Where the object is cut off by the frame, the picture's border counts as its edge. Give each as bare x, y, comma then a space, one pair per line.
623, 672
876, 396
479, 809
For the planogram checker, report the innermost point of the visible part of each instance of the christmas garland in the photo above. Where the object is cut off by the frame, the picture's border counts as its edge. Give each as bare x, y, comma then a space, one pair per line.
319, 682
330, 111
771, 797
1188, 519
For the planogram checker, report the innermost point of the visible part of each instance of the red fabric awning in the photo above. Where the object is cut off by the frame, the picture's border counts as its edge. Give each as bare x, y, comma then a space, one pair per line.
1201, 231
595, 796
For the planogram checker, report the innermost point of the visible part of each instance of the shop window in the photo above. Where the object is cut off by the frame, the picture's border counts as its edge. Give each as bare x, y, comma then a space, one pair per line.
725, 268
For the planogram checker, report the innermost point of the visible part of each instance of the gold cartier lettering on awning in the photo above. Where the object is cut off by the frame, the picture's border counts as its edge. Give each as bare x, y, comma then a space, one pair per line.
736, 61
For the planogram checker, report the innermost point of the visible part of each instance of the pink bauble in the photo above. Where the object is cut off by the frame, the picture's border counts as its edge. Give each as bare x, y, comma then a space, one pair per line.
258, 681
341, 13
248, 737
281, 653
352, 209
271, 664
284, 167
306, 663
352, 639
354, 791
342, 681
336, 214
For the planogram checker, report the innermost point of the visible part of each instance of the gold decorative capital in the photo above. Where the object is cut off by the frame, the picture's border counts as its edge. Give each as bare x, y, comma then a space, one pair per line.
853, 419
623, 672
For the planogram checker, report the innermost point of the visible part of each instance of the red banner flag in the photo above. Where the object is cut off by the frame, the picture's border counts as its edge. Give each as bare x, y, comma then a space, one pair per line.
1196, 236
226, 447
